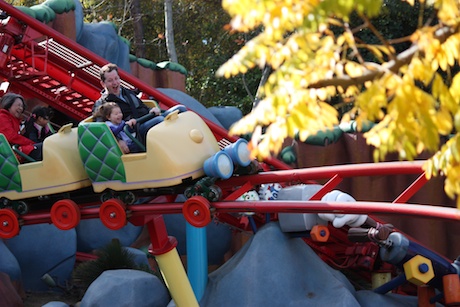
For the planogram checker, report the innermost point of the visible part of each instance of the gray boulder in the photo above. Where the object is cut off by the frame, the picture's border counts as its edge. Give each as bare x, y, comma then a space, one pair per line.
102, 39
227, 115
43, 249
274, 270
8, 263
78, 18
126, 288
139, 257
190, 103
370, 299
55, 304
92, 234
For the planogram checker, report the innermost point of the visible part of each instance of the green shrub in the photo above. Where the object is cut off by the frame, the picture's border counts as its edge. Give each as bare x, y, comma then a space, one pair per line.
111, 257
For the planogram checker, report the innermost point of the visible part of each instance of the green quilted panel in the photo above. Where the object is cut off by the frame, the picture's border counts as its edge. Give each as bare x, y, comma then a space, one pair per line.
100, 153
10, 179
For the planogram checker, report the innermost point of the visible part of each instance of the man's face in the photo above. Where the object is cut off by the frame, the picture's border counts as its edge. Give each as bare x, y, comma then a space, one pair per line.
112, 82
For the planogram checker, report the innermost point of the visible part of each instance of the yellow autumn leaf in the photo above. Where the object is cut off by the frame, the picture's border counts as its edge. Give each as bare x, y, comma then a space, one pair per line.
353, 69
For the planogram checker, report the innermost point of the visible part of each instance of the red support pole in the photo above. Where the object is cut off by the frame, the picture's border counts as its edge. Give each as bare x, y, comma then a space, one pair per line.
161, 242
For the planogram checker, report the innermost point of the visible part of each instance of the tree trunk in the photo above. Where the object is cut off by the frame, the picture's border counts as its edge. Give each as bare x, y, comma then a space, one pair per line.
169, 32
139, 41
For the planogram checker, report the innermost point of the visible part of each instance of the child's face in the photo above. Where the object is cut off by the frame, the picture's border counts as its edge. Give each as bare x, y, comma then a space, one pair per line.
115, 116
42, 121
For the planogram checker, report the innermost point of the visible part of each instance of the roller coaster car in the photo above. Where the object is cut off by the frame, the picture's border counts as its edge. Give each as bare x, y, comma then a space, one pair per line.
60, 170
176, 150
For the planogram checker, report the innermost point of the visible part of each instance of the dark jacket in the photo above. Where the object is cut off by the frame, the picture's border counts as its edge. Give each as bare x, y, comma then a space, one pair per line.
130, 105
10, 127
34, 133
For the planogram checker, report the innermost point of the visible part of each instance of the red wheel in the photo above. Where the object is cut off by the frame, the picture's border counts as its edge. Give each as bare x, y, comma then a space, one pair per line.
113, 214
197, 211
9, 223
65, 214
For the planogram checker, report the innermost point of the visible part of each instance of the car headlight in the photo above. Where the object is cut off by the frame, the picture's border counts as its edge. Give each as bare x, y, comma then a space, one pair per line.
219, 165
239, 152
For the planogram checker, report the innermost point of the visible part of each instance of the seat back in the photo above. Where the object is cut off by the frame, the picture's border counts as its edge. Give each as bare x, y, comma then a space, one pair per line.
10, 178
100, 152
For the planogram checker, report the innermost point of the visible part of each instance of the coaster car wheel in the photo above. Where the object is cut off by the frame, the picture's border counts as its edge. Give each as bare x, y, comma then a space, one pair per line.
215, 193
21, 207
113, 214
106, 195
9, 223
128, 198
4, 203
189, 192
65, 214
197, 211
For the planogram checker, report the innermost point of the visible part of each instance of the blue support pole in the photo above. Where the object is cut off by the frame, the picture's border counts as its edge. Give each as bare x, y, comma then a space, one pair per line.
252, 223
197, 259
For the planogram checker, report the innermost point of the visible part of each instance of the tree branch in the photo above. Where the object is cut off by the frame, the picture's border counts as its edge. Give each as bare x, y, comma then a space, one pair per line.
378, 70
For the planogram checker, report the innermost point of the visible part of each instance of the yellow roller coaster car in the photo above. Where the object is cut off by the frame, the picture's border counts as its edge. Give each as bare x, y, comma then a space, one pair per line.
60, 170
176, 150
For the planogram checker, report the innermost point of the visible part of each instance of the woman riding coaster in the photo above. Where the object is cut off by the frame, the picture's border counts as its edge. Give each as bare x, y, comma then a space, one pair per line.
13, 106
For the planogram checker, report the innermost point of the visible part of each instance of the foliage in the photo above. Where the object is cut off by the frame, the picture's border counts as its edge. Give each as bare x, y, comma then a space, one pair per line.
27, 3
202, 49
202, 45
316, 57
110, 257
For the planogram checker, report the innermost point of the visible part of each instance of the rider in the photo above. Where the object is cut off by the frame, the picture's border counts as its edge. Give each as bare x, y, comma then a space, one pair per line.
130, 105
13, 106
37, 125
112, 115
